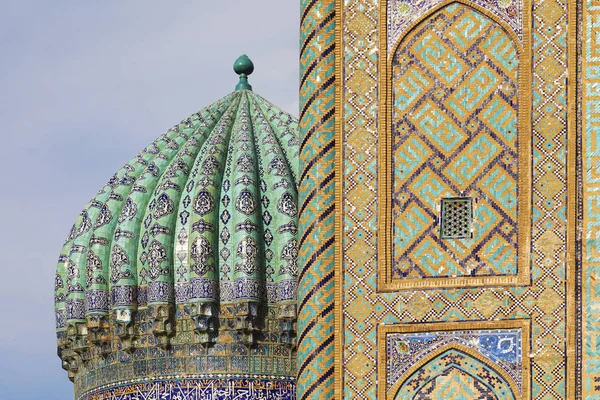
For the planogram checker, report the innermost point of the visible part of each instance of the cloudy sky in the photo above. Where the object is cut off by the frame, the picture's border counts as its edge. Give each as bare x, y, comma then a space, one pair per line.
84, 85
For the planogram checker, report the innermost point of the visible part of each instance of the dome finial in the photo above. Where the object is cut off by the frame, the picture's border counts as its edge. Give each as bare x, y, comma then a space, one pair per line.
243, 66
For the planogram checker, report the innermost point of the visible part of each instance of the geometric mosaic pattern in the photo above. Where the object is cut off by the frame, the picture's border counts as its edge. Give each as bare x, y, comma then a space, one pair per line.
401, 14
316, 319
454, 127
544, 300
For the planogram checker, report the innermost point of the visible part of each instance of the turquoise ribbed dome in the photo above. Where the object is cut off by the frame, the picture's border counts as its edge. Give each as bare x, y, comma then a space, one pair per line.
192, 241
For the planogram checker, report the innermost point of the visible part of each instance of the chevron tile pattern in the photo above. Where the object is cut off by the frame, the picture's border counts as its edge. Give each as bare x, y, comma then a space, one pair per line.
317, 201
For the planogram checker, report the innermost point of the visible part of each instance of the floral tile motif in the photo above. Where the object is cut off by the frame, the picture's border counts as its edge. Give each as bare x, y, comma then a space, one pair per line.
402, 13
501, 346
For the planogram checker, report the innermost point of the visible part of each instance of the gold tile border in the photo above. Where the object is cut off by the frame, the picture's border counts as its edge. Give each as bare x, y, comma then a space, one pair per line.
571, 261
523, 324
385, 177
338, 303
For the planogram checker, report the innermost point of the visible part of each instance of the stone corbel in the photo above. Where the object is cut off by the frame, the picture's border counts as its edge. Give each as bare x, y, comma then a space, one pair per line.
77, 335
206, 322
99, 333
287, 315
163, 325
125, 328
247, 322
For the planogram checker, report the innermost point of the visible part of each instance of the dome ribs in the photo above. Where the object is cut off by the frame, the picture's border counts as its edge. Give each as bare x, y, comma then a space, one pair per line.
285, 129
160, 222
198, 230
249, 288
192, 243
125, 248
98, 257
279, 193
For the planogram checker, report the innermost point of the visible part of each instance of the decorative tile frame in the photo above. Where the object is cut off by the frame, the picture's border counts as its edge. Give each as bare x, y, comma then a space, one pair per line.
386, 282
400, 14
522, 388
587, 108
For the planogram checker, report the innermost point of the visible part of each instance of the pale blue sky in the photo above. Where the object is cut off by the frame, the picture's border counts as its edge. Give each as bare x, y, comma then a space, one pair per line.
84, 85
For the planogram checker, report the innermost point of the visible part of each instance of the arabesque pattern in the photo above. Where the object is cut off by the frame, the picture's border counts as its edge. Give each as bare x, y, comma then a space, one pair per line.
401, 14
502, 347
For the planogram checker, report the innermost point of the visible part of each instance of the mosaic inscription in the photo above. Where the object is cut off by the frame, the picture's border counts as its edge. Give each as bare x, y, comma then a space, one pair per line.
198, 388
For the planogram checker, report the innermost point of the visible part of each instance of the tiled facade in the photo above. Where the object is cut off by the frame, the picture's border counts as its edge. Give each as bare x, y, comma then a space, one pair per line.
447, 217
543, 297
588, 351
317, 191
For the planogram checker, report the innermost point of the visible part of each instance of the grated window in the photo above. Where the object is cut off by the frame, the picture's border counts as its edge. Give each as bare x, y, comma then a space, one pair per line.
457, 218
